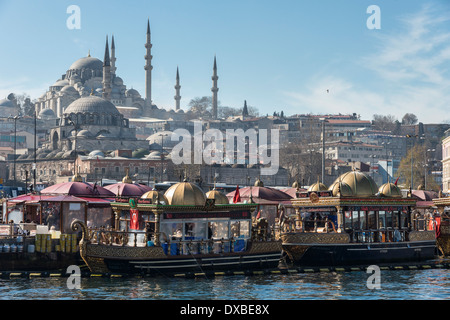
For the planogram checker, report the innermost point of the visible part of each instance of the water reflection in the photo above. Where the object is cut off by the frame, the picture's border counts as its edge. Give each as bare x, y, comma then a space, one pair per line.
395, 285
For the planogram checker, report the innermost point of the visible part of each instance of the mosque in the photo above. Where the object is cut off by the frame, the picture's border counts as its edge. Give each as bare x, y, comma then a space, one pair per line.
94, 105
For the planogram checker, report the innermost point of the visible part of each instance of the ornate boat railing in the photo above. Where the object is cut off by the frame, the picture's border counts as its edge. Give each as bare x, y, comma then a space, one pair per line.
108, 237
389, 234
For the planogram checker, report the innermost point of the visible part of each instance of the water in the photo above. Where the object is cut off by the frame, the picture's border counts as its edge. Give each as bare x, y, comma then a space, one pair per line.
431, 284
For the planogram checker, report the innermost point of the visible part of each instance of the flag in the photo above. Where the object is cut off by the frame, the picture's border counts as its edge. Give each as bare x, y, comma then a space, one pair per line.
396, 180
134, 219
237, 196
258, 215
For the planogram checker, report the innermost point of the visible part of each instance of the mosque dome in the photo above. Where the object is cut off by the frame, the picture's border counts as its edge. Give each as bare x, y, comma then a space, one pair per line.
6, 103
92, 104
361, 184
218, 196
87, 63
84, 134
46, 114
61, 83
69, 89
153, 196
96, 153
185, 193
390, 190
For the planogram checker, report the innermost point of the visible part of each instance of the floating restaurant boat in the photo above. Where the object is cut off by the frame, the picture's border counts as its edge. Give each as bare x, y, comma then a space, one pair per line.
353, 222
443, 224
183, 230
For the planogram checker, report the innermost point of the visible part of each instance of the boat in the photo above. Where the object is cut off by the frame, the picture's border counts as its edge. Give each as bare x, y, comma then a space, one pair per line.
354, 223
183, 230
443, 224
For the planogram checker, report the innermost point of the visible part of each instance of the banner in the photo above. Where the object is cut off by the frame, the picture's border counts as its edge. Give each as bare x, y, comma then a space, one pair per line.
134, 219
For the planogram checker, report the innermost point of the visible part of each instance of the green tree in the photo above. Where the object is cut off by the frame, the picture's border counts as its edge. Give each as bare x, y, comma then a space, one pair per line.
415, 161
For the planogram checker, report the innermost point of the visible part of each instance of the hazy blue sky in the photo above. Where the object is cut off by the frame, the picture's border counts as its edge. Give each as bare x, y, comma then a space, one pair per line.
277, 55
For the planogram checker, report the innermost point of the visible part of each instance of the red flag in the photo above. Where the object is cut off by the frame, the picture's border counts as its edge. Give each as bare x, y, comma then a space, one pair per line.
134, 219
237, 196
396, 180
258, 215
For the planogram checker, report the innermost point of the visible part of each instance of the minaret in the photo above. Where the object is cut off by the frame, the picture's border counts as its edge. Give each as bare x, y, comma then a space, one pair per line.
148, 67
214, 90
245, 109
177, 92
106, 73
113, 57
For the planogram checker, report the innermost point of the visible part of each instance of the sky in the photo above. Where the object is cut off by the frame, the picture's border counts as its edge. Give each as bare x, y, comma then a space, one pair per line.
295, 56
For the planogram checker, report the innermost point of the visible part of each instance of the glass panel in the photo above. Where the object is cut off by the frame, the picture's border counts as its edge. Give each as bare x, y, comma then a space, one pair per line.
404, 220
355, 219
362, 220
219, 229
71, 215
348, 220
171, 231
381, 219
51, 215
99, 217
388, 219
240, 228
195, 230
372, 223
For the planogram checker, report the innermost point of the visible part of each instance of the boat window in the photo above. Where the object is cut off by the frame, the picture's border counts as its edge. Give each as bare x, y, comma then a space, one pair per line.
172, 231
240, 228
388, 219
355, 220
403, 219
372, 222
195, 230
362, 220
71, 215
348, 224
381, 219
395, 216
219, 229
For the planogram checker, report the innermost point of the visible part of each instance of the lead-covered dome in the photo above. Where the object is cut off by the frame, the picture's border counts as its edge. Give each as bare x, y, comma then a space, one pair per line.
92, 104
185, 193
87, 63
361, 184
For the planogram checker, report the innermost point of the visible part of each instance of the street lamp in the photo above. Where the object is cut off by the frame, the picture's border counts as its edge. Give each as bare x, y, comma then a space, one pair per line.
162, 135
387, 160
426, 165
411, 184
323, 120
15, 118
75, 145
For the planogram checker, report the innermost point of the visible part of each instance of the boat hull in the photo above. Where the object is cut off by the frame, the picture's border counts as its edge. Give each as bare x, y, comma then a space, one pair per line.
153, 260
343, 253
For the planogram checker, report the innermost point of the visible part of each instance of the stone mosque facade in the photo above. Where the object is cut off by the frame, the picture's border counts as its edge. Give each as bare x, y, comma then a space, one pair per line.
94, 106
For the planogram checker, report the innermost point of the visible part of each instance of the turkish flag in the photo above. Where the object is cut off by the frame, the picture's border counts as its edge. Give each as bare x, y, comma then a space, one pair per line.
134, 219
237, 196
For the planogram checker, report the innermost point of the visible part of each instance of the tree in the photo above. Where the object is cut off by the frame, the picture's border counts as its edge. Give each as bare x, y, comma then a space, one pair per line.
201, 106
409, 119
384, 123
418, 165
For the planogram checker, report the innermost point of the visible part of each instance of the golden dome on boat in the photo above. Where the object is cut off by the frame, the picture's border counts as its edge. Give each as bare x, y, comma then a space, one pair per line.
318, 186
259, 183
77, 178
153, 196
219, 197
361, 184
390, 190
185, 193
341, 189
296, 184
